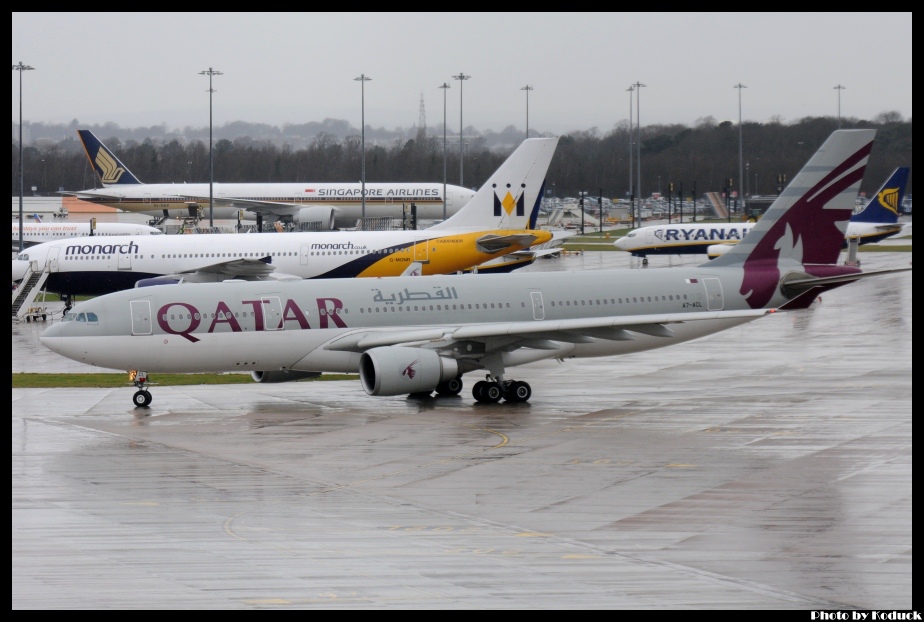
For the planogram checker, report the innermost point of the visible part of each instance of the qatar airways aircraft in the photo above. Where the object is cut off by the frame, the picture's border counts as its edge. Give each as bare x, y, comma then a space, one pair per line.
877, 221
413, 336
330, 205
497, 221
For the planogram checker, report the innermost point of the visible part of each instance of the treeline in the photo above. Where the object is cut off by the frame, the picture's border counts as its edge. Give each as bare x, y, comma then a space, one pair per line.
704, 157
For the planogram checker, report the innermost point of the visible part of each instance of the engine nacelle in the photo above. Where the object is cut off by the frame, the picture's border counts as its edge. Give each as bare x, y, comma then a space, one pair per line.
157, 280
717, 250
282, 376
395, 370
323, 214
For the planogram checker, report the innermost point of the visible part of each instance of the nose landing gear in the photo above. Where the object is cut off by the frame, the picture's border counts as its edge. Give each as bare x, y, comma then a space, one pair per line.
142, 397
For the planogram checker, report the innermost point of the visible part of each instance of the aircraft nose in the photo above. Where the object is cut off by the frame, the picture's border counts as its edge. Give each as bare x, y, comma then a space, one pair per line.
19, 269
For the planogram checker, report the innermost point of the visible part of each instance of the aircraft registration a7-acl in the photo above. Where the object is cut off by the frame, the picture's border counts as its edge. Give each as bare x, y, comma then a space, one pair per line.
329, 205
499, 220
416, 335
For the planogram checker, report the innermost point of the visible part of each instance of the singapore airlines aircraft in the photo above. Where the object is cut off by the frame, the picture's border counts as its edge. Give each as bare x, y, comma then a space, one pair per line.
37, 232
419, 335
498, 220
877, 221
332, 205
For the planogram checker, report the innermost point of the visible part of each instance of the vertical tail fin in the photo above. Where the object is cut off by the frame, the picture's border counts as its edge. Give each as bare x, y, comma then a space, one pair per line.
108, 167
808, 221
511, 197
886, 203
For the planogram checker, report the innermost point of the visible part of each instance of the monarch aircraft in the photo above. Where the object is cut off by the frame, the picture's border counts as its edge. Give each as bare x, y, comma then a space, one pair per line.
413, 336
877, 221
498, 220
329, 205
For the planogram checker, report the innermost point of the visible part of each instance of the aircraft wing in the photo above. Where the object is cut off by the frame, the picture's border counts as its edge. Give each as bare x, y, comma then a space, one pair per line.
273, 208
243, 269
492, 243
539, 334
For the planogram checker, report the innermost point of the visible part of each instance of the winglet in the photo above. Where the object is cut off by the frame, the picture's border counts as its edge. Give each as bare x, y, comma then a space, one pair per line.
110, 170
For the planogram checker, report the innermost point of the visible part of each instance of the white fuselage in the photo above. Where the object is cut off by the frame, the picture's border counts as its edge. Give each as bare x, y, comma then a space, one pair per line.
383, 200
316, 325
37, 232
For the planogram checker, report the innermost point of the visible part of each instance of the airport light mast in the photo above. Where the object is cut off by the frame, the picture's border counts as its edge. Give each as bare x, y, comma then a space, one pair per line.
461, 78
362, 79
527, 88
21, 68
740, 86
444, 86
211, 72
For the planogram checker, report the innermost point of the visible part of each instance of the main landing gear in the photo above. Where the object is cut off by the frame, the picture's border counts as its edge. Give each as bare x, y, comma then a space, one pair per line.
490, 391
142, 397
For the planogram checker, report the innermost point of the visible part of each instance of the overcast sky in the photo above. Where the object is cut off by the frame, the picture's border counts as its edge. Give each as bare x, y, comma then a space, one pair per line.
141, 69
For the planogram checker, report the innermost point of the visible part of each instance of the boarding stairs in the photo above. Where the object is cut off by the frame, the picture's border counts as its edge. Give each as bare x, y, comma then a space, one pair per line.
718, 204
32, 284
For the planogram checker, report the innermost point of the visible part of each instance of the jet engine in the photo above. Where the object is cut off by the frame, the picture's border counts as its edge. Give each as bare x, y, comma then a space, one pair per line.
323, 214
717, 250
282, 376
395, 370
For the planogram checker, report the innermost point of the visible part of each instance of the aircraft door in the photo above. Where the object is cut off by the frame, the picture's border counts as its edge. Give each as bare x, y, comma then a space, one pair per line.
422, 251
715, 300
53, 259
538, 306
272, 312
141, 317
303, 255
125, 261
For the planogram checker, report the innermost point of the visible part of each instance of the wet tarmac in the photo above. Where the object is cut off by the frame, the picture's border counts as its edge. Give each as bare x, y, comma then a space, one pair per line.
765, 467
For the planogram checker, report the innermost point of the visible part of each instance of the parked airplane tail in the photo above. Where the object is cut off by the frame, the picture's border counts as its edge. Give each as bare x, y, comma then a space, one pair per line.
807, 223
110, 170
512, 194
886, 204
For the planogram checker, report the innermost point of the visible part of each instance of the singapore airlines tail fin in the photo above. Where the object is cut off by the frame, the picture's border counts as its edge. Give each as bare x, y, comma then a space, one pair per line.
510, 198
110, 170
807, 223
884, 207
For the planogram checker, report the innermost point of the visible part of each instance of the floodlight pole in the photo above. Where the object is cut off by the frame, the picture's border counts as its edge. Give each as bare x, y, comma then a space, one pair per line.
211, 72
527, 88
638, 145
461, 78
21, 68
839, 88
362, 79
740, 86
444, 86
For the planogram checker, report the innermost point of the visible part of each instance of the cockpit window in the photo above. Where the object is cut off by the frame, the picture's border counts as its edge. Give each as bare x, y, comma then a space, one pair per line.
88, 318
22, 257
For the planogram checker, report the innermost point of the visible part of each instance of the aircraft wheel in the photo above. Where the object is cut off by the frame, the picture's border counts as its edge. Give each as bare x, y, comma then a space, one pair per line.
142, 398
519, 391
492, 393
478, 391
450, 387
